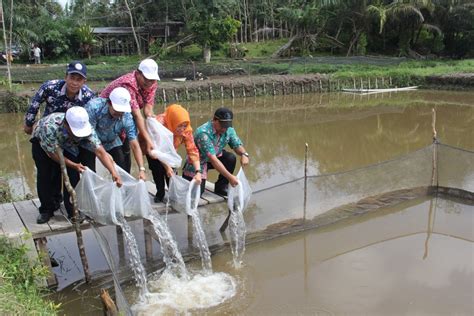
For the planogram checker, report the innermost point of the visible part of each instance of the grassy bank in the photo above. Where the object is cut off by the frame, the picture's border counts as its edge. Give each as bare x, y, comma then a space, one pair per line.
20, 293
337, 67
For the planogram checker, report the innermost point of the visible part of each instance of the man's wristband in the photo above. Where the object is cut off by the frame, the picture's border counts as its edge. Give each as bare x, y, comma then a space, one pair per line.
142, 169
246, 154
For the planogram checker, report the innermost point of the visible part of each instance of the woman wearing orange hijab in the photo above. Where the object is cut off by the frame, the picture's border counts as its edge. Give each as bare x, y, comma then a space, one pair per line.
177, 120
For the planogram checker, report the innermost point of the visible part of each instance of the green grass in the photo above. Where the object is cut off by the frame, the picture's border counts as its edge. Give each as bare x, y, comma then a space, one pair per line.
20, 293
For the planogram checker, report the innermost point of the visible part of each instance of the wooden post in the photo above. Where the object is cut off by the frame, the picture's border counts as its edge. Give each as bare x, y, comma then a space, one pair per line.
435, 146
164, 96
222, 92
110, 309
274, 90
243, 90
210, 91
254, 90
305, 181
361, 84
148, 240
76, 224
199, 93
264, 89
353, 79
187, 93
176, 95
376, 83
320, 86
232, 94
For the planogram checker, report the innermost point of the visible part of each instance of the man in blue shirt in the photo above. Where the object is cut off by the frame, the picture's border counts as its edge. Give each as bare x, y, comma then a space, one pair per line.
109, 116
59, 96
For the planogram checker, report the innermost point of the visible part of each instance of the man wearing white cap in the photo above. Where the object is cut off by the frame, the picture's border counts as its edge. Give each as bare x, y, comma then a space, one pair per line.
142, 85
109, 116
68, 131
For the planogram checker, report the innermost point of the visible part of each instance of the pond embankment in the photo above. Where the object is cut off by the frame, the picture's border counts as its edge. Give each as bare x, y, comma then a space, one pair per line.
232, 81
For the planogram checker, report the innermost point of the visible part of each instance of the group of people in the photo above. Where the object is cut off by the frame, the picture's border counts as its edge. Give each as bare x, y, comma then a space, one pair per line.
84, 126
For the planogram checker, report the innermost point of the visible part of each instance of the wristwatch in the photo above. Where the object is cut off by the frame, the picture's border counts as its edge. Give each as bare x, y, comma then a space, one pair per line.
142, 169
246, 154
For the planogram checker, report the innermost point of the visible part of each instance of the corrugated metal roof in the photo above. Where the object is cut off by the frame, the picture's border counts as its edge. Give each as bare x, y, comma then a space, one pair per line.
116, 30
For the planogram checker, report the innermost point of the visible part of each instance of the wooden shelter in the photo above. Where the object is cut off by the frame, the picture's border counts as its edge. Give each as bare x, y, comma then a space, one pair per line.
120, 40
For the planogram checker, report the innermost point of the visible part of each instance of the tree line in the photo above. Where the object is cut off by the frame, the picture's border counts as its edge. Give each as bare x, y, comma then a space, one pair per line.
415, 28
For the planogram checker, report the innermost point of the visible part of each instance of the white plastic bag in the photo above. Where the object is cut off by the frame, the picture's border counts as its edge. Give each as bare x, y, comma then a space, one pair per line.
183, 195
163, 146
239, 196
99, 198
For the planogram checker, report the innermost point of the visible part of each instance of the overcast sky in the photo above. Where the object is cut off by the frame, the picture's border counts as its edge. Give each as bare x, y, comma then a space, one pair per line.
63, 2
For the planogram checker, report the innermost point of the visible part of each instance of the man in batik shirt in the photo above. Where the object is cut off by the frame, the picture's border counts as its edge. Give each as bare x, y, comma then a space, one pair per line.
59, 96
211, 139
67, 131
142, 85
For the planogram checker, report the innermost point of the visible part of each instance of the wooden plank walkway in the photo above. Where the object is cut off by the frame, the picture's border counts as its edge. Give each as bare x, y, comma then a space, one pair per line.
20, 216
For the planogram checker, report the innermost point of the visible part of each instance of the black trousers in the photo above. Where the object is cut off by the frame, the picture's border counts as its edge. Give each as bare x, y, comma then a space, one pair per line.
229, 161
127, 161
48, 179
159, 176
88, 158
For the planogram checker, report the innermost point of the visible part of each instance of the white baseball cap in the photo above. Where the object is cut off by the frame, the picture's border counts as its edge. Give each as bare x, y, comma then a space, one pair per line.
78, 121
120, 99
149, 69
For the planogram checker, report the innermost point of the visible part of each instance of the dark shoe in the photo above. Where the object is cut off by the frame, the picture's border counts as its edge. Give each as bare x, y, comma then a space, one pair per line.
158, 199
43, 218
221, 191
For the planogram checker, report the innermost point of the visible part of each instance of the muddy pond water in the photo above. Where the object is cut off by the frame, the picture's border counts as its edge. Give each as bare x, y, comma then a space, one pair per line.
379, 263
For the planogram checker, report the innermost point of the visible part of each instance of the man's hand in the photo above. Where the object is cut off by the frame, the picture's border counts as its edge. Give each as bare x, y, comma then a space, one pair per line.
149, 148
80, 167
28, 129
244, 160
169, 171
142, 175
116, 178
197, 177
233, 180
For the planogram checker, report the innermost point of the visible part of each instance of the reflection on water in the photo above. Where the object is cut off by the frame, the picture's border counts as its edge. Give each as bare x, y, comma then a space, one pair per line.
373, 265
344, 131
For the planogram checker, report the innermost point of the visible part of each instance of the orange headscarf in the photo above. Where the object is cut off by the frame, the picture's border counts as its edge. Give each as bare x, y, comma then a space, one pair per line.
175, 115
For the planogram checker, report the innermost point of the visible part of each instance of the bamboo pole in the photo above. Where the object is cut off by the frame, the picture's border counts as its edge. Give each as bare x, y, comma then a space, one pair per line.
76, 224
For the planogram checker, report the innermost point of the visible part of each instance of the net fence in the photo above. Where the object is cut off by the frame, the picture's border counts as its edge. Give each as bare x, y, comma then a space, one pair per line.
321, 199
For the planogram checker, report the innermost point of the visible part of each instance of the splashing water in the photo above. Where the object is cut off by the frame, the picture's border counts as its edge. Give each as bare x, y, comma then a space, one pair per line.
172, 295
201, 242
134, 257
171, 255
237, 236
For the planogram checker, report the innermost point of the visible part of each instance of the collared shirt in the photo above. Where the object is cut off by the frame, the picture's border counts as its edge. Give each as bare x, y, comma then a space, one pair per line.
51, 132
108, 128
210, 143
139, 97
53, 92
186, 138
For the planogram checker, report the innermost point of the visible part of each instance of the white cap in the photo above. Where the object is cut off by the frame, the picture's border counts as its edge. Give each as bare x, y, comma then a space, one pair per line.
120, 99
149, 69
78, 120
